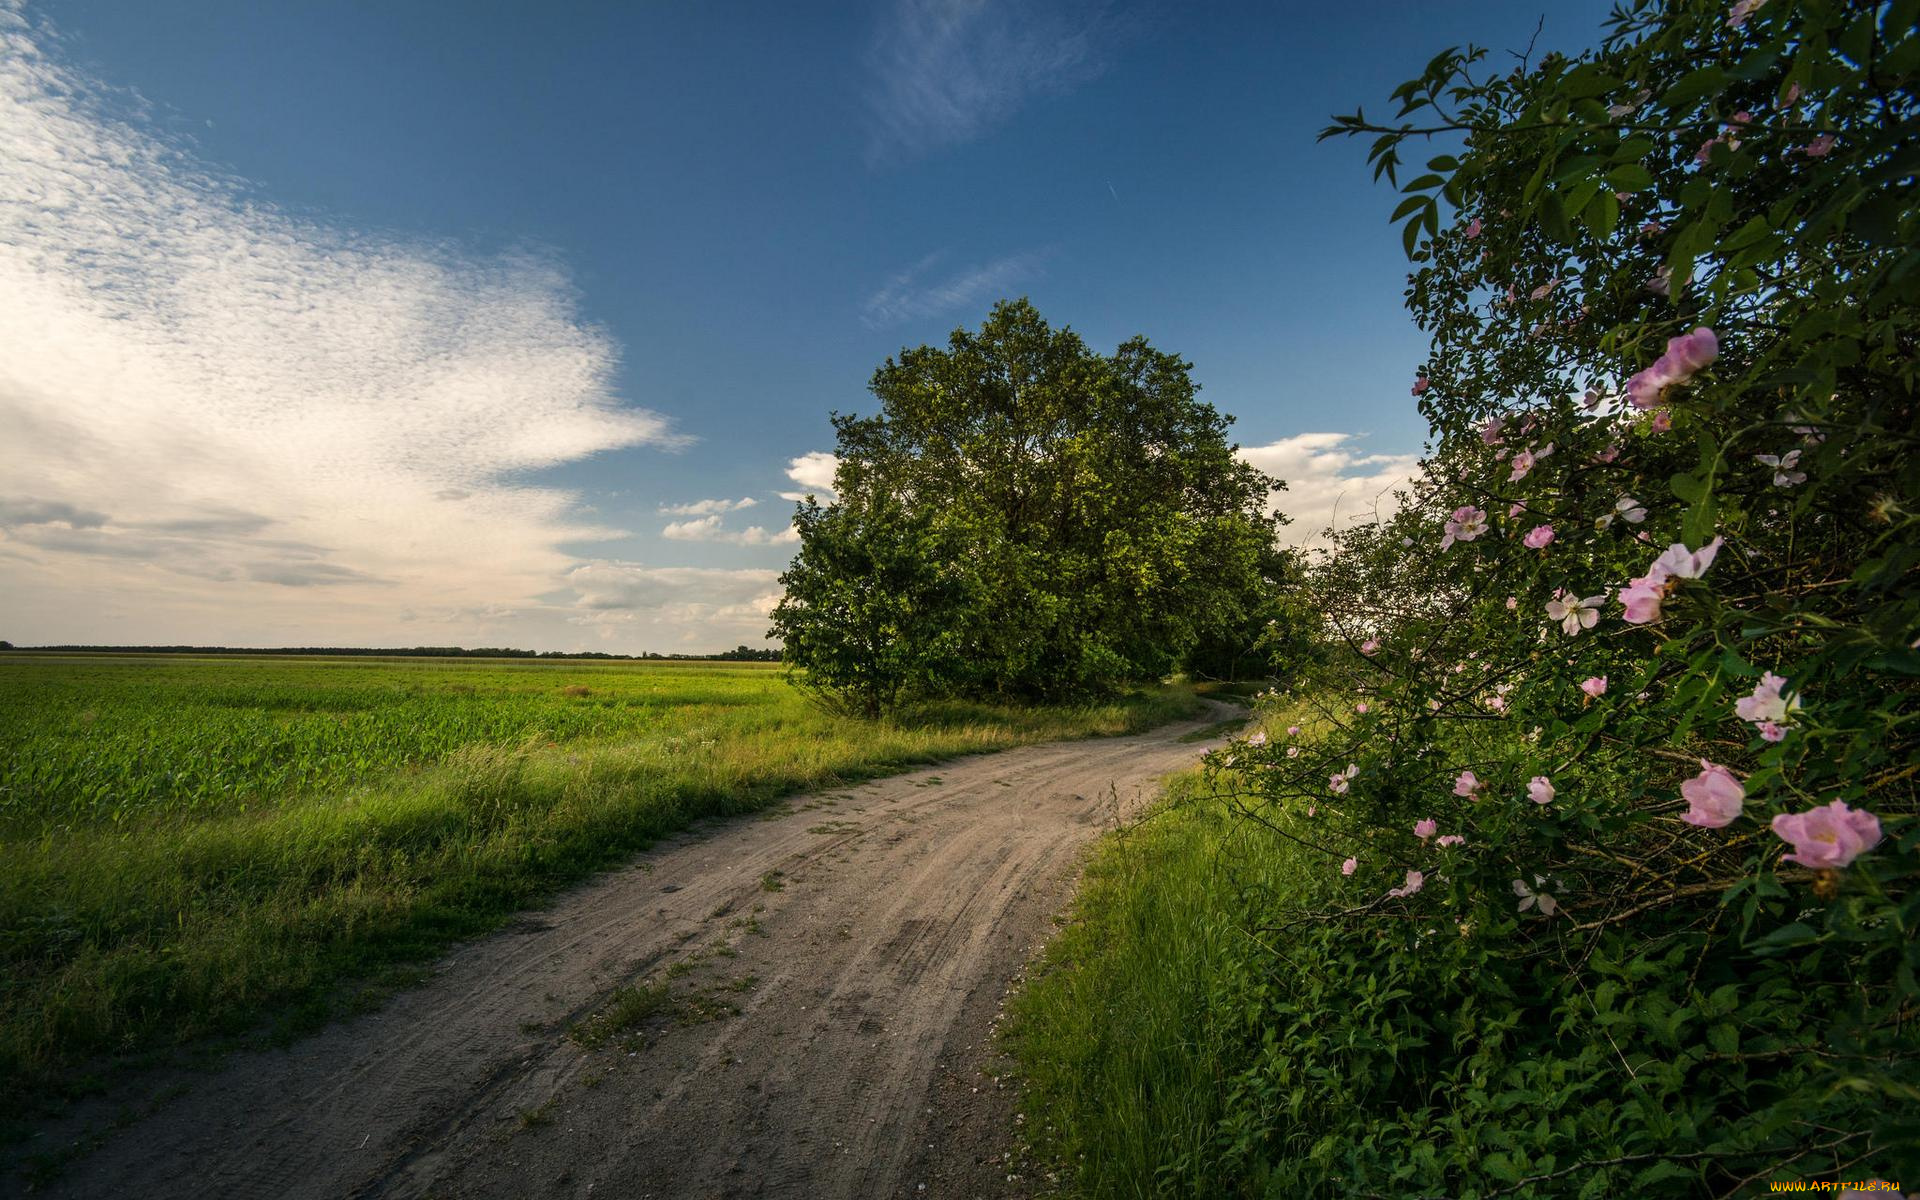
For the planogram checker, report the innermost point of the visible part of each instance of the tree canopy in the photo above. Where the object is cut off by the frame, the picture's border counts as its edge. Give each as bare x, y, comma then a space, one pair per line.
1024, 517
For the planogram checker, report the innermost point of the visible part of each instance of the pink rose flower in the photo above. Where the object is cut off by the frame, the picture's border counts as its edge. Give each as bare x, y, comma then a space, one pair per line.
1515, 509
1738, 14
1525, 461
1646, 387
1466, 524
1678, 562
1361, 708
1258, 739
1819, 147
1490, 430
1692, 353
1538, 537
1828, 837
1370, 645
1662, 421
1714, 797
1540, 790
1783, 466
1685, 357
1467, 784
1293, 731
1642, 598
1425, 828
1415, 881
1513, 602
1773, 731
1350, 866
1529, 897
1574, 613
1473, 228
1451, 839
1419, 384
1594, 686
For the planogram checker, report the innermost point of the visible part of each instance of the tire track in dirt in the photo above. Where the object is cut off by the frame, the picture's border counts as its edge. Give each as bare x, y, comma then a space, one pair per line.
832, 970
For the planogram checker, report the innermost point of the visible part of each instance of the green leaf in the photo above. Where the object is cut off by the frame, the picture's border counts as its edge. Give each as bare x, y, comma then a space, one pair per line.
1701, 520
1690, 488
1629, 177
1694, 87
1410, 205
1724, 1038
1553, 219
1602, 215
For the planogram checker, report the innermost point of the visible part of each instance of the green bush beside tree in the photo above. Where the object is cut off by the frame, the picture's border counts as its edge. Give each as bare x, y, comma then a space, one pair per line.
1599, 802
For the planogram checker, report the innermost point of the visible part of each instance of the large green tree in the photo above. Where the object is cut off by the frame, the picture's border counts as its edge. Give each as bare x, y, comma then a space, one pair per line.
1090, 519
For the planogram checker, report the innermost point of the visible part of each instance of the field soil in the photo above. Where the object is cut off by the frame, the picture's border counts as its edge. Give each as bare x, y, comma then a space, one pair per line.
799, 1005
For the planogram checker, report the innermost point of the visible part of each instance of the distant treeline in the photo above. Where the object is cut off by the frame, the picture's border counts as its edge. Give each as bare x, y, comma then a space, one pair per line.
737, 654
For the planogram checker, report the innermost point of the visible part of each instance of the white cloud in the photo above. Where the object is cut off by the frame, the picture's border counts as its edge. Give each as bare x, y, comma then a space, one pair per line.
633, 601
711, 529
227, 423
700, 508
911, 294
814, 472
1329, 484
946, 71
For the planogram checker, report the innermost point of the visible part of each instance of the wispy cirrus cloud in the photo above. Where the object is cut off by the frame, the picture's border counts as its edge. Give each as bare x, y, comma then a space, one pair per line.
215, 411
925, 290
1329, 482
946, 71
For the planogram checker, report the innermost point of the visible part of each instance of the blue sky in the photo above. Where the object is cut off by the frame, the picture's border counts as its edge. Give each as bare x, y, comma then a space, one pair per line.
401, 323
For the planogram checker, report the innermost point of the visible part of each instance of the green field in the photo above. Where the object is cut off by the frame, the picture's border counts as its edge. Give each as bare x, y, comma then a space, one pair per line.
190, 846
90, 739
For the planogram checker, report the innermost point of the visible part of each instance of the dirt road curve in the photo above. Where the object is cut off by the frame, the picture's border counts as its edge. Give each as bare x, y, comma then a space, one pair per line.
865, 938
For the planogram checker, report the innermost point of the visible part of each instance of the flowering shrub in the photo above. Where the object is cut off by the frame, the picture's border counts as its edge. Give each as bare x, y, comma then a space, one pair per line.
1643, 641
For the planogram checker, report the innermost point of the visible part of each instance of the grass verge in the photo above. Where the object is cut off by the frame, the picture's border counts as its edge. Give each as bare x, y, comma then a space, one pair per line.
1136, 1021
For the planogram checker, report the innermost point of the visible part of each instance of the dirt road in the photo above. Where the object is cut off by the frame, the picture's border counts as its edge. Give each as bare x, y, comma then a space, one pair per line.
796, 1006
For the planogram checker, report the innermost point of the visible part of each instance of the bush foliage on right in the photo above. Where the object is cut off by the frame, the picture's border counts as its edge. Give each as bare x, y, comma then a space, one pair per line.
1618, 758
1603, 795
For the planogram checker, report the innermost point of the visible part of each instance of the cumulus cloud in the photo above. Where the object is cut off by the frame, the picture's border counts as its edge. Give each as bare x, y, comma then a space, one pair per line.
700, 508
919, 291
1329, 483
814, 472
947, 71
625, 599
713, 529
200, 387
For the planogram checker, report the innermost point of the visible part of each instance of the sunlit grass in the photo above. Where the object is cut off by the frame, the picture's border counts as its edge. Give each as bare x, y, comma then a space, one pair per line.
184, 919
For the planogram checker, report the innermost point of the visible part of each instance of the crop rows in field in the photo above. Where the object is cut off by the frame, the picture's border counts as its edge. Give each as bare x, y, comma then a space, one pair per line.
89, 740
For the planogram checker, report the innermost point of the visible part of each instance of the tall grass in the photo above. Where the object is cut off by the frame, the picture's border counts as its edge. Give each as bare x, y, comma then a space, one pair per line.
177, 922
1132, 1027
